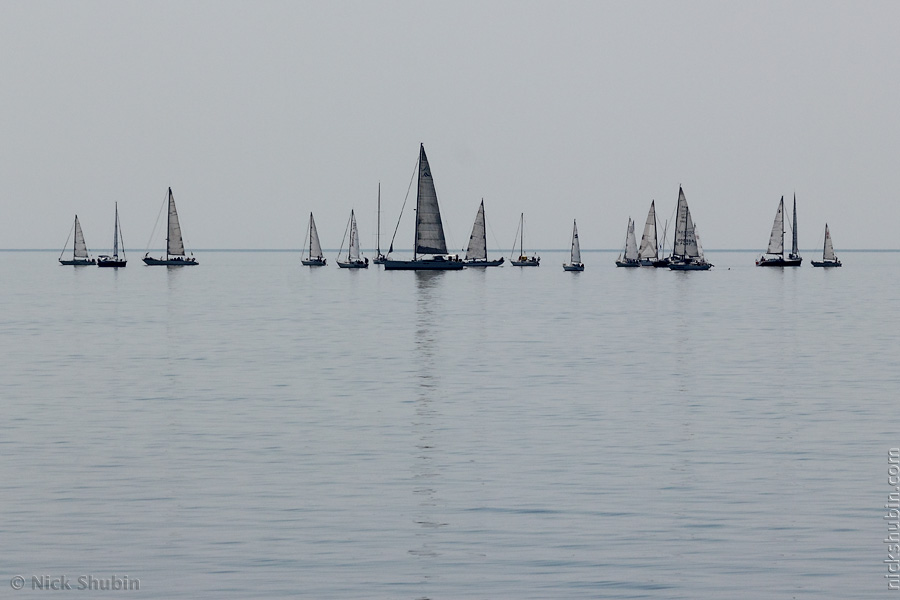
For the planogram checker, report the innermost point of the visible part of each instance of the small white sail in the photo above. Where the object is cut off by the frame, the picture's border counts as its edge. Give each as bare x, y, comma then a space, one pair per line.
648, 247
685, 240
429, 229
776, 239
828, 252
353, 254
315, 248
631, 251
576, 245
700, 254
478, 241
174, 241
81, 251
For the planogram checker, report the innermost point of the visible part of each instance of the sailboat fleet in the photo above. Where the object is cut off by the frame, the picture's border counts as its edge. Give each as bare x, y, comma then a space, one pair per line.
430, 250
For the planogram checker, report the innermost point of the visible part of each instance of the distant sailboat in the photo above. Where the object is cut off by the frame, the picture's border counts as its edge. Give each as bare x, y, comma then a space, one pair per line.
80, 256
774, 256
828, 257
379, 257
574, 263
353, 258
114, 260
430, 246
629, 256
314, 257
476, 253
648, 253
524, 260
175, 256
686, 253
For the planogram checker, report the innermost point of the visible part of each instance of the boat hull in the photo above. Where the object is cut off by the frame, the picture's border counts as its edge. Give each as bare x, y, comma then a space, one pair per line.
78, 262
661, 263
313, 262
826, 263
778, 261
380, 259
153, 262
424, 265
527, 262
483, 263
689, 266
111, 263
628, 263
354, 264
577, 267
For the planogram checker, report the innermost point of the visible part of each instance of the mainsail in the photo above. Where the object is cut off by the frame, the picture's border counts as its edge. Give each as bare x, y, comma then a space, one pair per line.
685, 241
315, 248
576, 246
429, 229
174, 241
648, 248
477, 241
353, 254
828, 253
631, 251
794, 249
80, 247
776, 239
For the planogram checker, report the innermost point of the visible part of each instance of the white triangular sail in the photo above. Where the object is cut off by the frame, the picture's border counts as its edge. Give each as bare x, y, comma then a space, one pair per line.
631, 250
174, 241
80, 250
353, 253
576, 245
477, 241
429, 229
315, 248
828, 252
648, 249
776, 239
685, 240
700, 254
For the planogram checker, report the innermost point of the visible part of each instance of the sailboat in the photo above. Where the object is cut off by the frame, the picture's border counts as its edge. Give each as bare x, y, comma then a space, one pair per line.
828, 257
476, 253
429, 246
314, 258
80, 256
774, 256
686, 253
175, 256
524, 260
648, 253
353, 259
114, 260
574, 263
379, 257
629, 256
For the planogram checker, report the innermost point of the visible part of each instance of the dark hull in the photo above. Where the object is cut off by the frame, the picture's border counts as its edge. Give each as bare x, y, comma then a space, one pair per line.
78, 262
362, 264
111, 263
662, 263
189, 262
526, 263
483, 263
313, 262
423, 265
826, 263
628, 263
689, 266
779, 262
574, 267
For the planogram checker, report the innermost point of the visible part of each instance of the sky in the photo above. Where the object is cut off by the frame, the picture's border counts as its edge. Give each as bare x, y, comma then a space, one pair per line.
257, 113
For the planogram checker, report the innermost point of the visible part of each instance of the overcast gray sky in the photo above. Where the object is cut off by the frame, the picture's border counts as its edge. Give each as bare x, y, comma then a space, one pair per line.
258, 112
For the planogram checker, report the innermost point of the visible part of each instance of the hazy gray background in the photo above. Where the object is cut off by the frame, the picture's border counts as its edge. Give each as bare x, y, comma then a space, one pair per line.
258, 112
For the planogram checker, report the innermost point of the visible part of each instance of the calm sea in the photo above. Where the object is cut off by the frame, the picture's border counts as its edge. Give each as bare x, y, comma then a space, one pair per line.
254, 428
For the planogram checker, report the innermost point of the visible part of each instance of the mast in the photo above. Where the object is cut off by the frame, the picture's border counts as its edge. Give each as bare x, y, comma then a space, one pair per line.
521, 234
794, 249
116, 234
378, 232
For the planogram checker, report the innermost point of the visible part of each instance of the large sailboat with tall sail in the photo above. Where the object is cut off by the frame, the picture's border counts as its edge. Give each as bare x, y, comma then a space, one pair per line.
524, 260
175, 255
114, 260
629, 255
828, 257
648, 252
80, 255
476, 253
429, 246
354, 260
686, 252
574, 263
379, 256
314, 256
774, 256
